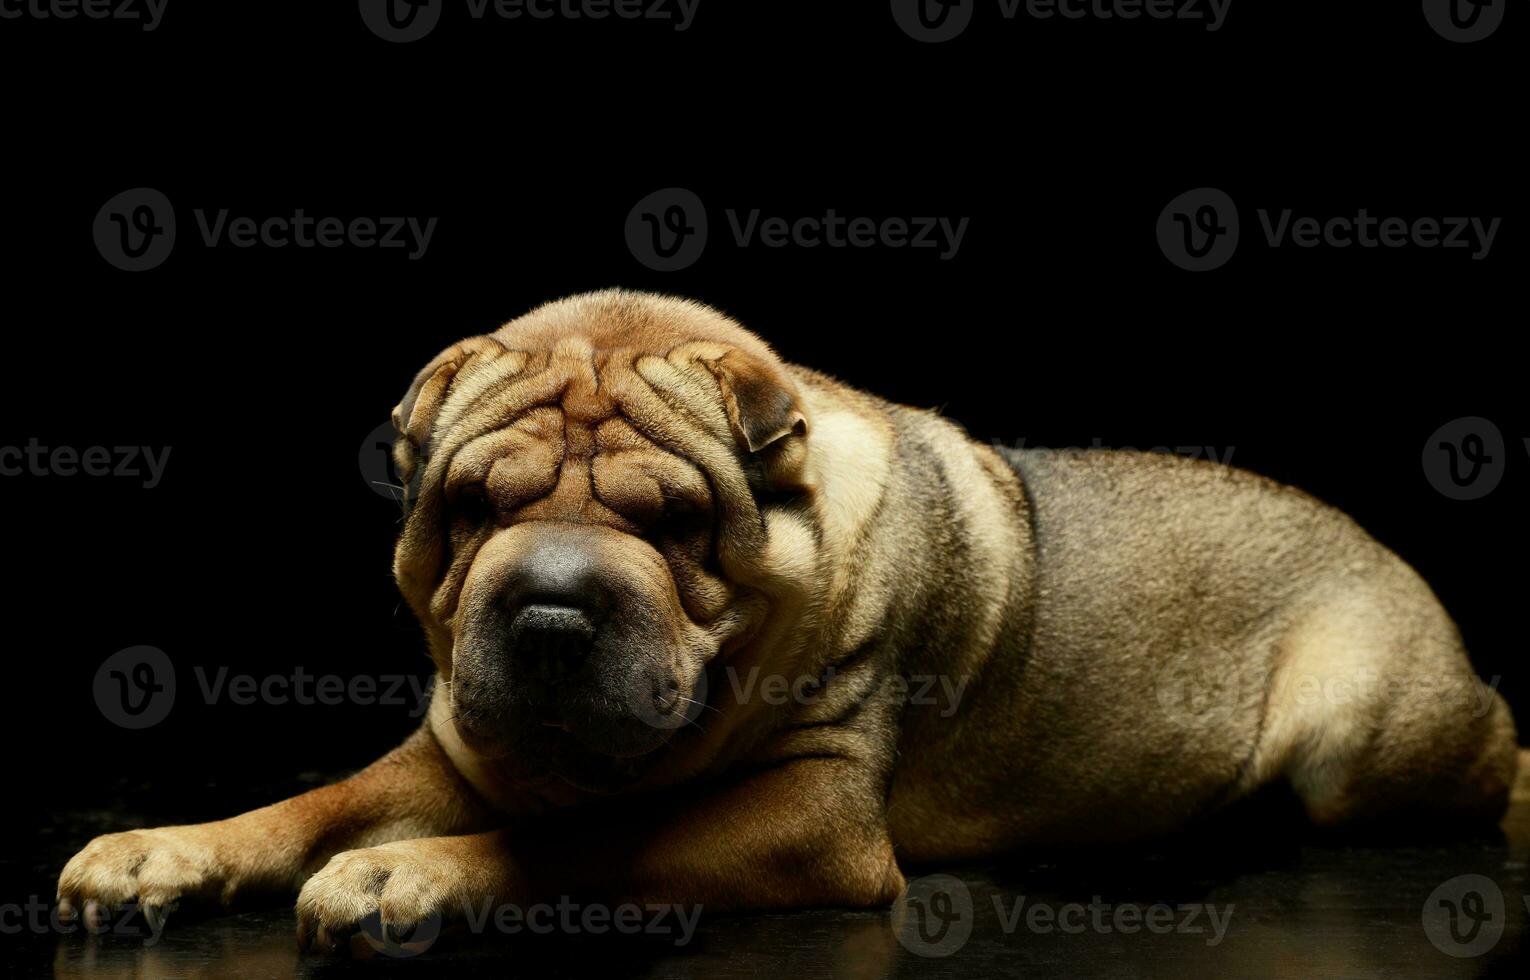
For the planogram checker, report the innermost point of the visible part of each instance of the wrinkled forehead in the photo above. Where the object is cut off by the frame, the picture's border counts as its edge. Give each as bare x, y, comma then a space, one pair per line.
626, 427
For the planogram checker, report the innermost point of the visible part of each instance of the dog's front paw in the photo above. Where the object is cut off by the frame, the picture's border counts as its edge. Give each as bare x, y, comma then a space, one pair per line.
399, 893
154, 869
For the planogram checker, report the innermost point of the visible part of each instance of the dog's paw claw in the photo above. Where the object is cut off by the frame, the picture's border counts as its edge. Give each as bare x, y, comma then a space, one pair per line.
149, 871
391, 899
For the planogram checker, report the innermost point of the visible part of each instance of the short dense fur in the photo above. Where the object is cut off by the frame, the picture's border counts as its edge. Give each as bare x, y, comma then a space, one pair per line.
983, 648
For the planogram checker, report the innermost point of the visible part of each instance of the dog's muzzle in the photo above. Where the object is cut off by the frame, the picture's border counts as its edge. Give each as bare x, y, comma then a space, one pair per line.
567, 642
552, 642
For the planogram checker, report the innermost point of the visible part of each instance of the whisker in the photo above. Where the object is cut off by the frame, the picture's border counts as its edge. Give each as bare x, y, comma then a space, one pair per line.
687, 700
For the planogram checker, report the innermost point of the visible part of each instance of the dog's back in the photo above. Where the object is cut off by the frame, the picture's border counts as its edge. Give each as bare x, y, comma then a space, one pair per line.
1185, 633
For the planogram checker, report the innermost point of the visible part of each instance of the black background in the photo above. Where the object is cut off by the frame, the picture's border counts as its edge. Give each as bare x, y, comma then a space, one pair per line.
1059, 322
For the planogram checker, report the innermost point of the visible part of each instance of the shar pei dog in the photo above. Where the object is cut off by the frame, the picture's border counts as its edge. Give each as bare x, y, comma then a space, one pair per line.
714, 629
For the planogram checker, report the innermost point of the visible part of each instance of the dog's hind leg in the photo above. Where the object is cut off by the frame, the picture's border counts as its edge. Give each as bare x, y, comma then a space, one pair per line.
1376, 714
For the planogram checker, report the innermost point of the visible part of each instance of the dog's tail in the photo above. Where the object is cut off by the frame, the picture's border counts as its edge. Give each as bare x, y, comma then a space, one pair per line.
1521, 791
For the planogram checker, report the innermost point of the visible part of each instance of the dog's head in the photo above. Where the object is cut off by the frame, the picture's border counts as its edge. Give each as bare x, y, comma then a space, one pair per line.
587, 490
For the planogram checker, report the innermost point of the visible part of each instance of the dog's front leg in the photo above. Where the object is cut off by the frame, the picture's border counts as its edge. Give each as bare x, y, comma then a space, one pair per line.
804, 832
410, 792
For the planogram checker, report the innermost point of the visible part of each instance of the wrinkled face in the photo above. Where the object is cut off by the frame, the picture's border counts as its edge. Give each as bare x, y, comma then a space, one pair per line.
567, 548
572, 623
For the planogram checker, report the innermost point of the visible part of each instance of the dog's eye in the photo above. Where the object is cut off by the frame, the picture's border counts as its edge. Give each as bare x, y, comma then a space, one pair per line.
472, 506
681, 517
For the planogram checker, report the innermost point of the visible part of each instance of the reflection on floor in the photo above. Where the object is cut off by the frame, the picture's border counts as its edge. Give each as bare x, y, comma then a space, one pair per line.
1243, 899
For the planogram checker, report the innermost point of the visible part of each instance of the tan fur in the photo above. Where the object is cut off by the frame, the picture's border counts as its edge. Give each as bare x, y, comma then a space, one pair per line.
1124, 642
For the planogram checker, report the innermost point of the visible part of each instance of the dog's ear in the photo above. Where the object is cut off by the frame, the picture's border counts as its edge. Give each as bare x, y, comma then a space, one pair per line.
761, 402
766, 415
414, 417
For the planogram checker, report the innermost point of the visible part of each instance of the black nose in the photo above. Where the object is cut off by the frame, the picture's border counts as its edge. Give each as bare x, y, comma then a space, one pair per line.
552, 640
560, 573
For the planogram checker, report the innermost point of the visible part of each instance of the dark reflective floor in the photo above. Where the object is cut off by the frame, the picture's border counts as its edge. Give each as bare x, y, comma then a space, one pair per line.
1244, 899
